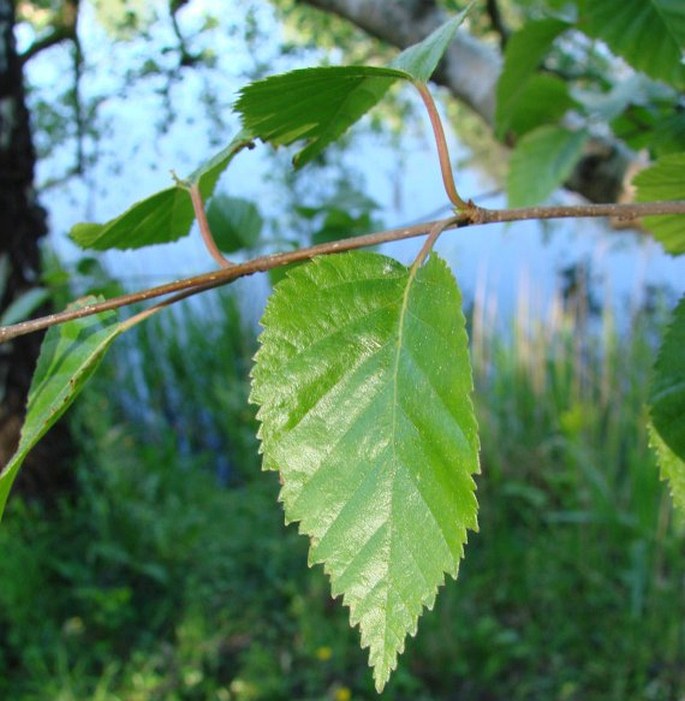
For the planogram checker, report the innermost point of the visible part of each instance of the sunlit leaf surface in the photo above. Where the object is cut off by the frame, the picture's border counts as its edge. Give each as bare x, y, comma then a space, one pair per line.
667, 402
665, 180
363, 380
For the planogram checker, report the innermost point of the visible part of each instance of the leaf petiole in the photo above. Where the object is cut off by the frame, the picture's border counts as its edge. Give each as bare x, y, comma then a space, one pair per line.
193, 189
433, 235
441, 144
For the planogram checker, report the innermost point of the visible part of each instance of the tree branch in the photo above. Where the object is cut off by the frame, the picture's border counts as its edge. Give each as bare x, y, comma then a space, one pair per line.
474, 216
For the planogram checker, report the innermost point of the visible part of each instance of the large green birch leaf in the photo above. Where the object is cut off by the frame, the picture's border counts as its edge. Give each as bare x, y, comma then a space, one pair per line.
69, 356
363, 380
667, 402
317, 105
665, 180
649, 34
163, 217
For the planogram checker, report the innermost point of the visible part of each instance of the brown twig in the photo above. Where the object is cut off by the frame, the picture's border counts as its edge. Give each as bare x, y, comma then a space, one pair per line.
441, 143
474, 217
205, 231
433, 236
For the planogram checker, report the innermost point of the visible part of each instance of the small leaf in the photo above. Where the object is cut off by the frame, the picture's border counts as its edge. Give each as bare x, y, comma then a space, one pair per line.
523, 56
235, 223
208, 174
363, 380
665, 180
649, 34
161, 218
69, 356
421, 60
667, 401
314, 104
544, 99
318, 105
541, 162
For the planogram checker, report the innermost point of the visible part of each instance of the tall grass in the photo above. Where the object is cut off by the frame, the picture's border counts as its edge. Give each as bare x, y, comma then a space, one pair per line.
183, 377
171, 576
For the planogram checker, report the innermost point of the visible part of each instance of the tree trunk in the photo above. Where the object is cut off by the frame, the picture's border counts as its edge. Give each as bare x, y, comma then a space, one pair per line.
22, 225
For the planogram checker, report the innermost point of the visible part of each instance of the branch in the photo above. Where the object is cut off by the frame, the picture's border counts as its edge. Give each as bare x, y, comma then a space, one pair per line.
474, 216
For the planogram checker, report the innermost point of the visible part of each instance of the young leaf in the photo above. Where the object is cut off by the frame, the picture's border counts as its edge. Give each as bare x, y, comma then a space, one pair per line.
363, 381
667, 401
522, 58
421, 60
314, 104
665, 180
70, 354
163, 217
319, 104
649, 34
235, 222
542, 160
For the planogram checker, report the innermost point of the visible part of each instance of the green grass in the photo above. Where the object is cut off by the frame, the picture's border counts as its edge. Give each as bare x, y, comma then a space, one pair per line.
155, 583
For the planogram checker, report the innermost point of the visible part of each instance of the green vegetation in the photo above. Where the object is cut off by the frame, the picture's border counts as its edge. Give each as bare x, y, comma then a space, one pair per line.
152, 585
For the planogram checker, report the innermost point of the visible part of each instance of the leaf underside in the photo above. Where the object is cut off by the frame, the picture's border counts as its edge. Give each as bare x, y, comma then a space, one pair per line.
69, 356
665, 180
363, 381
